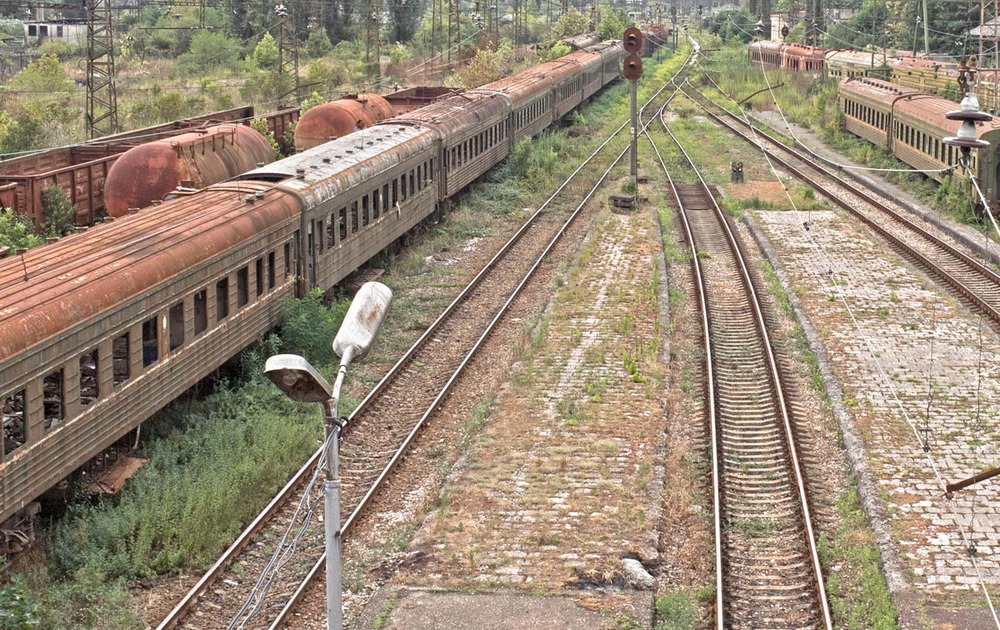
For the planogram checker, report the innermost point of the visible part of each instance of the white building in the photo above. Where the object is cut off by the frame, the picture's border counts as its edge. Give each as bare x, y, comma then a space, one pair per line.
74, 33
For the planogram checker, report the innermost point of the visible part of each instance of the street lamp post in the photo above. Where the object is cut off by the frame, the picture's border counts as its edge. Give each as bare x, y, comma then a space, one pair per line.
302, 383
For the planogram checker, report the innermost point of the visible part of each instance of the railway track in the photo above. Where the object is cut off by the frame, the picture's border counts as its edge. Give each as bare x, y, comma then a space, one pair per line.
378, 434
768, 572
916, 241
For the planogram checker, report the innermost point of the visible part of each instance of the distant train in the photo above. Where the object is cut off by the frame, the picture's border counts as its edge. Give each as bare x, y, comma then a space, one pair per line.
906, 70
900, 115
912, 125
103, 328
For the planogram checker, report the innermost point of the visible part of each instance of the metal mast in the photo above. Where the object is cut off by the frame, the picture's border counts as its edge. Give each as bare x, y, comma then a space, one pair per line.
453, 26
373, 51
102, 102
288, 49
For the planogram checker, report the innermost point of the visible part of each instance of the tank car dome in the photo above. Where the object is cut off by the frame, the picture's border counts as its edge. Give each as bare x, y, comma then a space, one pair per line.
336, 119
150, 171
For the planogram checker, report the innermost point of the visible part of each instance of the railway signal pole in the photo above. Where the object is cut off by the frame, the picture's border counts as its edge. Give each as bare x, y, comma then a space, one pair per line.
632, 41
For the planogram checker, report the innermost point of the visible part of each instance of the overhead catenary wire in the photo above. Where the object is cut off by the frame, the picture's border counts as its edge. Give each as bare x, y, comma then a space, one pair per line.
873, 354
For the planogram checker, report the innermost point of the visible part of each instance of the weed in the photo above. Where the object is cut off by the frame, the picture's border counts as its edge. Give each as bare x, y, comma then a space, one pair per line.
677, 611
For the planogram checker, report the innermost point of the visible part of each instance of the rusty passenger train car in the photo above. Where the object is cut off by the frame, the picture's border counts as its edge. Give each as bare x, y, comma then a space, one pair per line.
103, 328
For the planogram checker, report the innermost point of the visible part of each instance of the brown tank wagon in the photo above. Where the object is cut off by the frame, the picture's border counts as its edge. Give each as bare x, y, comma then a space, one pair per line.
195, 160
336, 119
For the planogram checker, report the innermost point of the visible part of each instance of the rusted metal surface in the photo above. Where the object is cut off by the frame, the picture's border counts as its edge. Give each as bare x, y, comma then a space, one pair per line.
85, 290
164, 130
80, 171
337, 119
409, 99
579, 42
331, 169
84, 274
803, 58
197, 159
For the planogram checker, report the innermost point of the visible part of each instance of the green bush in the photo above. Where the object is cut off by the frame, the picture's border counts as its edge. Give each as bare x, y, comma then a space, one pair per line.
212, 464
308, 327
17, 232
18, 610
59, 211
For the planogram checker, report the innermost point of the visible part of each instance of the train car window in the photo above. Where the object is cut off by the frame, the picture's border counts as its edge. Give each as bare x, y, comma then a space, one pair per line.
201, 311
260, 276
242, 287
222, 299
364, 210
270, 270
288, 257
354, 217
376, 205
385, 199
412, 182
90, 388
330, 223
395, 192
150, 342
120, 359
52, 399
14, 425
320, 240
176, 323
342, 222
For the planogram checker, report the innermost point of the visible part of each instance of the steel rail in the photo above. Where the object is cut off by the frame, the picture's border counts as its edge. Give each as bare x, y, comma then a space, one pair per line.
974, 266
319, 565
192, 596
777, 387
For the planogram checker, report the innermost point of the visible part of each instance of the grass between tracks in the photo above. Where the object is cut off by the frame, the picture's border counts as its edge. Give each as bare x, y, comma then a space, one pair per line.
215, 459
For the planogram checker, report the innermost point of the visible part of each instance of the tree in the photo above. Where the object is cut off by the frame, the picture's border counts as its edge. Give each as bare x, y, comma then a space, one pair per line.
21, 134
318, 43
557, 50
571, 23
17, 232
488, 65
612, 25
404, 18
265, 55
210, 50
59, 211
44, 74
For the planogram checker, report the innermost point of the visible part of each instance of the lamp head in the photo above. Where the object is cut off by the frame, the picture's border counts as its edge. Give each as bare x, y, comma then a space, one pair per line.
297, 378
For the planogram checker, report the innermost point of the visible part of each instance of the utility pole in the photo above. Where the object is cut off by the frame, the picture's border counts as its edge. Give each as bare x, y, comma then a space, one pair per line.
288, 50
102, 100
453, 26
373, 23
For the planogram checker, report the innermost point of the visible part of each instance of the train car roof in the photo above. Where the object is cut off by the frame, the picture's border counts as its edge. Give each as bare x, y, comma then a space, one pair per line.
50, 289
801, 50
330, 169
461, 113
913, 105
519, 87
853, 56
876, 89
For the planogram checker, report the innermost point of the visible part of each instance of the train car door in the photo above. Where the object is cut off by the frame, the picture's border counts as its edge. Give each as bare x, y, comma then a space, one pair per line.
311, 255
